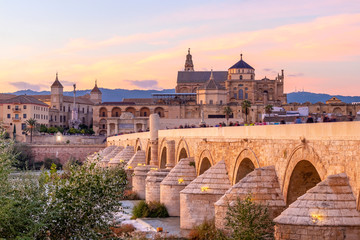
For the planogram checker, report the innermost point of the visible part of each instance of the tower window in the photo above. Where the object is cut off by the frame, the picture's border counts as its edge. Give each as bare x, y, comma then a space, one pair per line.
241, 94
241, 77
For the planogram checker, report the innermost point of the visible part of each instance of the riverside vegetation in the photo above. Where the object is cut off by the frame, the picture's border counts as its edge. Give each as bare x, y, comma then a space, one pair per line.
76, 204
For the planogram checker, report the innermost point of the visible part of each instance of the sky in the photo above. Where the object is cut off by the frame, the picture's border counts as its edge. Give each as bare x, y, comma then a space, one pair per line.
142, 44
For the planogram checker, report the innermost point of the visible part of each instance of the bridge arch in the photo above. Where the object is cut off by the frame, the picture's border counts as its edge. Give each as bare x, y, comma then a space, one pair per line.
138, 145
245, 163
205, 162
303, 171
182, 150
162, 154
148, 153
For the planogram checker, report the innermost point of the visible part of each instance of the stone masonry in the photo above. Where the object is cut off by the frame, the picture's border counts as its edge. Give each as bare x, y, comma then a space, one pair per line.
327, 211
178, 178
262, 185
198, 198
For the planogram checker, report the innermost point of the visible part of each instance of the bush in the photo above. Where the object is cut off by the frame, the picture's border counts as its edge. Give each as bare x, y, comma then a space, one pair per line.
206, 231
152, 210
248, 220
130, 195
48, 162
23, 157
123, 230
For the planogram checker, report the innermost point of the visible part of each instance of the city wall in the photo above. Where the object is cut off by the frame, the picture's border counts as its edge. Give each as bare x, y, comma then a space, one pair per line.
63, 152
63, 139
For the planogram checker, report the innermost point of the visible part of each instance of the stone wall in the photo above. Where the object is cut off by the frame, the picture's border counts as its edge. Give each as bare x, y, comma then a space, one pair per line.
63, 139
63, 152
330, 147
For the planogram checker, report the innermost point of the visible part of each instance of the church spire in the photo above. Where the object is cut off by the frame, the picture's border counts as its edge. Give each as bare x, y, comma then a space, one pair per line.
189, 66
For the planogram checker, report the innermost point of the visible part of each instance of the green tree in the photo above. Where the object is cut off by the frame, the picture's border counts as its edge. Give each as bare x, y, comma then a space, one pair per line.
246, 105
268, 109
52, 130
31, 125
227, 111
248, 220
43, 128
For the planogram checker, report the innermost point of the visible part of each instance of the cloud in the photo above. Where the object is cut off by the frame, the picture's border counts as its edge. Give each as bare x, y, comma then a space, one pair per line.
25, 85
295, 75
145, 84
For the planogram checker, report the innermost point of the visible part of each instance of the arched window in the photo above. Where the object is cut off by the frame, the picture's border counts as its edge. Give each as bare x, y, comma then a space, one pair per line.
211, 102
241, 77
241, 94
252, 77
246, 96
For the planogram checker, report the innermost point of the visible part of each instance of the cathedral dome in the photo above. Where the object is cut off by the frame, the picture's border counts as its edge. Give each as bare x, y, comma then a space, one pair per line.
241, 64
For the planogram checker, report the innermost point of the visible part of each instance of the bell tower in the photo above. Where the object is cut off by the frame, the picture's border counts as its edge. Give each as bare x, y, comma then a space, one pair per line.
56, 94
96, 94
189, 66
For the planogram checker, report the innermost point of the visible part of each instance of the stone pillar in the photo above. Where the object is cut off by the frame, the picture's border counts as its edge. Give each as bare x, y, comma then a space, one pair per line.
116, 128
108, 129
170, 154
154, 135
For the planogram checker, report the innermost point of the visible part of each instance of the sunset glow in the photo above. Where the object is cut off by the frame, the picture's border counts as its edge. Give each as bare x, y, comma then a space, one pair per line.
142, 44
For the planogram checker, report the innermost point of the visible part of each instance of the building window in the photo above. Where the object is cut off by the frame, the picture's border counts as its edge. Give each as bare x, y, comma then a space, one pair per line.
103, 114
24, 106
240, 85
9, 116
220, 102
24, 115
252, 77
8, 106
211, 102
23, 126
55, 118
235, 95
64, 119
241, 77
241, 94
16, 107
246, 95
16, 116
60, 118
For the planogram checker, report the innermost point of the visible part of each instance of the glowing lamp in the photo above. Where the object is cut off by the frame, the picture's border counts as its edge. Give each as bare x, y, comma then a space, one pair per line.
180, 180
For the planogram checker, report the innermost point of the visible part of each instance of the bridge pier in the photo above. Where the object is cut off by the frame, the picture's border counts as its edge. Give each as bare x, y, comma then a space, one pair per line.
178, 178
198, 198
153, 180
122, 157
262, 184
326, 211
138, 180
108, 157
138, 158
154, 138
170, 154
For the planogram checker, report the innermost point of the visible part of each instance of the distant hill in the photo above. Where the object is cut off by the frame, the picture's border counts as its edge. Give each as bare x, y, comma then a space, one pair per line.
116, 95
301, 97
108, 95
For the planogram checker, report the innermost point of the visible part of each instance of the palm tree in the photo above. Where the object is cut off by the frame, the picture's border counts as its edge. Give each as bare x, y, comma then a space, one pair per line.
227, 111
246, 105
268, 109
31, 126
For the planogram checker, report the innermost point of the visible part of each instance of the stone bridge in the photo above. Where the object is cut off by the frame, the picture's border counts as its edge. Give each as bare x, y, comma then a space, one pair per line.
303, 155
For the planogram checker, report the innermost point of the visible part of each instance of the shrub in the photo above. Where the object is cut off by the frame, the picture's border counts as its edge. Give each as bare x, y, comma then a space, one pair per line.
157, 210
140, 210
123, 230
130, 195
23, 157
248, 220
206, 231
48, 162
152, 210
